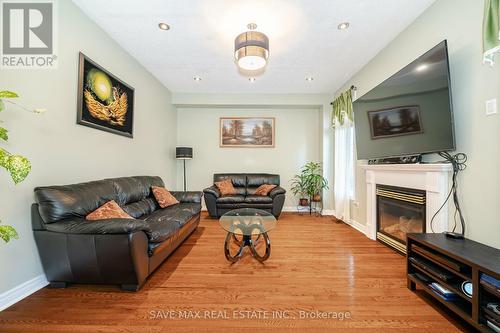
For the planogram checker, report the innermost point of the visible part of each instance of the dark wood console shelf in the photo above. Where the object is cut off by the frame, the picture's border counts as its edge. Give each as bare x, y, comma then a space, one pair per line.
450, 262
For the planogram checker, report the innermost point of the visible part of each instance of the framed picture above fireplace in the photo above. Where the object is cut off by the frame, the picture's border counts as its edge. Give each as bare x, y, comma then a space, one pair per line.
401, 120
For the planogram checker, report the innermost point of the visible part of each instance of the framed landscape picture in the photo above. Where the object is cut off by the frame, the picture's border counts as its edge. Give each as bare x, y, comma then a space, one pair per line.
402, 120
247, 132
104, 101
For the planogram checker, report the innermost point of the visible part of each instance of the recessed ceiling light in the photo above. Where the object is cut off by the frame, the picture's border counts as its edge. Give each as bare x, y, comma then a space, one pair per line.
163, 26
421, 67
309, 78
197, 78
343, 26
251, 79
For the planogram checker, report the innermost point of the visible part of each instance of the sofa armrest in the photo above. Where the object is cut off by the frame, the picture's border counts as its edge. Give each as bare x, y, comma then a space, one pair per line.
212, 190
188, 196
277, 190
108, 226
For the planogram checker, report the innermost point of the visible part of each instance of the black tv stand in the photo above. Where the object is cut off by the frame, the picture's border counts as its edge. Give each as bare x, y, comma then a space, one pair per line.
451, 262
409, 159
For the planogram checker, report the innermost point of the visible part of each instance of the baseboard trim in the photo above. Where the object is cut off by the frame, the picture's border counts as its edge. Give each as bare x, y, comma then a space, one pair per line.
328, 212
21, 291
289, 209
358, 226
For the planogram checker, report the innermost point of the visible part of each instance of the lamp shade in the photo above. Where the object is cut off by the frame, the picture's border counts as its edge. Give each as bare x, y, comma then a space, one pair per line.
184, 153
251, 50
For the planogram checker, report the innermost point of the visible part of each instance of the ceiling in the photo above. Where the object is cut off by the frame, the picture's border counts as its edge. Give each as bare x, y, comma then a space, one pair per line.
304, 39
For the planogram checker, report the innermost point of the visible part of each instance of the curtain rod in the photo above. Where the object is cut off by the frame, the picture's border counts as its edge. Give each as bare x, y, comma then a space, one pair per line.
354, 88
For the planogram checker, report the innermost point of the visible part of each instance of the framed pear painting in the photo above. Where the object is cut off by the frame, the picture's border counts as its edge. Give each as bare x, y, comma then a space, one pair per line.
104, 101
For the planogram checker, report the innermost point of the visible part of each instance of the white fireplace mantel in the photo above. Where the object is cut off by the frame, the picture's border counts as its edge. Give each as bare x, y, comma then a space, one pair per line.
432, 178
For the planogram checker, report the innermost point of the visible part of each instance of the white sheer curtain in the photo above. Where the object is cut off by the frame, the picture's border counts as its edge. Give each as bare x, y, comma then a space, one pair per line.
344, 168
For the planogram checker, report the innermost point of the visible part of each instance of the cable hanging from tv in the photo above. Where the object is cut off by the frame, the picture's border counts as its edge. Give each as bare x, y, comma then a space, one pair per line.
458, 162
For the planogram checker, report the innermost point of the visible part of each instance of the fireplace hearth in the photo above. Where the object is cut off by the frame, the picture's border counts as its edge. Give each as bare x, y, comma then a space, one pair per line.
399, 211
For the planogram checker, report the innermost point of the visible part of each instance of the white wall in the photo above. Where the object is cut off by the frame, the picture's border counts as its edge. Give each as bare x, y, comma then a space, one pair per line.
297, 142
460, 22
61, 151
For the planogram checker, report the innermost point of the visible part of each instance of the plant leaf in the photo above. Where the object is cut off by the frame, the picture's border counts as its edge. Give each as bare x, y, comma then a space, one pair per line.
19, 168
7, 232
4, 158
4, 134
8, 94
2, 105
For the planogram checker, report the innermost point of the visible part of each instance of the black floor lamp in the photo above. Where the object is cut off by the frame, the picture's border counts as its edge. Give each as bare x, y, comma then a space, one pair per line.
184, 153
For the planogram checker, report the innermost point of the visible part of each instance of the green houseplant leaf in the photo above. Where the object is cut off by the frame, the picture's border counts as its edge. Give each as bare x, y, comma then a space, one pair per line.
4, 134
8, 94
18, 166
7, 233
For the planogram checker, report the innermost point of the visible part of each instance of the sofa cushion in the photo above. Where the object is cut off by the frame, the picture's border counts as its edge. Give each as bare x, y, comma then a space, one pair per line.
255, 180
225, 187
133, 189
230, 199
239, 181
142, 207
72, 201
164, 197
161, 229
258, 199
264, 189
165, 221
110, 210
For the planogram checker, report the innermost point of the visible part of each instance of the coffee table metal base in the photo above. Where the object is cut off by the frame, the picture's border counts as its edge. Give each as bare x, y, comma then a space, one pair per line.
247, 241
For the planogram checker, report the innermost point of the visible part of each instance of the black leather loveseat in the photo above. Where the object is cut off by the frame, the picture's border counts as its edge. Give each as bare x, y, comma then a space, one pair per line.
245, 185
112, 251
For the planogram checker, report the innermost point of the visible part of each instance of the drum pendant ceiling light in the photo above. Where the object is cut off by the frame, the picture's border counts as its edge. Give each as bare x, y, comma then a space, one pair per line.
251, 49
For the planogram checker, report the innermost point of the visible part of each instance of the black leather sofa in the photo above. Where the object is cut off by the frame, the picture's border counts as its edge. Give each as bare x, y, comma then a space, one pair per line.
245, 185
112, 251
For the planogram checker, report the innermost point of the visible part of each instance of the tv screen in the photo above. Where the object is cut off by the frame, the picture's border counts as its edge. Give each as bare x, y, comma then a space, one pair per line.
410, 112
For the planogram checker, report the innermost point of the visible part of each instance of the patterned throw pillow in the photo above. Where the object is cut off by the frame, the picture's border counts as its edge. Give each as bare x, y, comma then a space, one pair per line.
264, 189
226, 187
110, 210
164, 197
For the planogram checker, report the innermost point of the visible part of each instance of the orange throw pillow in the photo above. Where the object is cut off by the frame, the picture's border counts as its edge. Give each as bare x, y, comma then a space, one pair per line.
110, 210
164, 197
264, 189
226, 187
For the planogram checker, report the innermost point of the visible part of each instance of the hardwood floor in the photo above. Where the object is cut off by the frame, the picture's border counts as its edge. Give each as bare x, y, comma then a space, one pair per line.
316, 264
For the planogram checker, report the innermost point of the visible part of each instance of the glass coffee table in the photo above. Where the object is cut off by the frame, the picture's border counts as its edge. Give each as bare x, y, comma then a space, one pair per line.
247, 227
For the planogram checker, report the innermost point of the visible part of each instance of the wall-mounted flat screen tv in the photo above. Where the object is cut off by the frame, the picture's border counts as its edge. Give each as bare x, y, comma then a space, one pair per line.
410, 112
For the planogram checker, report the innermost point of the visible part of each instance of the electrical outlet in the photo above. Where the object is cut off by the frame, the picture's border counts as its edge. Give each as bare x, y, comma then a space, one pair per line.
491, 107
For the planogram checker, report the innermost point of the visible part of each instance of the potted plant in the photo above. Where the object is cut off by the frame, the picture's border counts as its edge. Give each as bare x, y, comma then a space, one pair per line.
18, 166
299, 187
309, 183
316, 183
